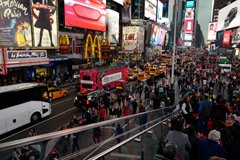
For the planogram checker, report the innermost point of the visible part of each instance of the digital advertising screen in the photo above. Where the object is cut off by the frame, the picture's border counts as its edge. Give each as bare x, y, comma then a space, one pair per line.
165, 7
112, 26
188, 26
159, 11
119, 1
157, 35
190, 4
212, 27
150, 9
227, 37
236, 36
189, 14
44, 22
82, 14
188, 37
229, 16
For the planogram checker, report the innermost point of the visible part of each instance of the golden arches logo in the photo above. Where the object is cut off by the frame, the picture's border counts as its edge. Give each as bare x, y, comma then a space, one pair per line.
94, 46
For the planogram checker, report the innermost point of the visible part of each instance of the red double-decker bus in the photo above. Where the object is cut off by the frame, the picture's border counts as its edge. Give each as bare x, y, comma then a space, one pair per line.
103, 78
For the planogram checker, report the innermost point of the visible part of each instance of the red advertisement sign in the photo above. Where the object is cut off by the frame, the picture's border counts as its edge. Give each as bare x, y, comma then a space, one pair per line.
85, 14
188, 26
227, 37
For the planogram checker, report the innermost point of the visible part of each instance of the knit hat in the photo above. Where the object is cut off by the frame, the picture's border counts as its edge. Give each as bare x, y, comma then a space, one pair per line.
214, 135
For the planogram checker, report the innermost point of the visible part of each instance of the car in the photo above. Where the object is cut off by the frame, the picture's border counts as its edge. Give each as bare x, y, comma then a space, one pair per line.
231, 15
90, 14
55, 93
143, 76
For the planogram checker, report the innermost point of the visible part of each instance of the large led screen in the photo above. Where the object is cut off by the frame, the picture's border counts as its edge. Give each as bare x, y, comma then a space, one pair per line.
157, 35
112, 26
83, 14
44, 22
188, 37
189, 14
190, 4
236, 36
188, 26
229, 16
212, 31
150, 9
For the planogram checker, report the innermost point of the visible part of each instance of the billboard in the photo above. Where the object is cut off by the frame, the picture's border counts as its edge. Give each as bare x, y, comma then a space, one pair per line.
165, 7
126, 11
236, 36
133, 39
85, 14
15, 24
190, 4
112, 26
188, 26
44, 22
157, 35
212, 31
229, 16
189, 14
227, 37
159, 11
150, 9
188, 37
187, 44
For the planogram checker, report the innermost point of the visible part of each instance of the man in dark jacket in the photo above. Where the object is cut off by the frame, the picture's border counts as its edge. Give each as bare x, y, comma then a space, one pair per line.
205, 110
211, 147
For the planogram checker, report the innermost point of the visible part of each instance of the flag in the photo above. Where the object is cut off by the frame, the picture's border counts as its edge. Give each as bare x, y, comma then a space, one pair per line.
175, 6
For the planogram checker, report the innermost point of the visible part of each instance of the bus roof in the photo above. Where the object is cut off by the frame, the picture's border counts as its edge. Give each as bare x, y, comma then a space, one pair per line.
19, 86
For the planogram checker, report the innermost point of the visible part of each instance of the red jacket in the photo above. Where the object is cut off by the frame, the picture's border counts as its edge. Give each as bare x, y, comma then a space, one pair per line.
126, 111
102, 113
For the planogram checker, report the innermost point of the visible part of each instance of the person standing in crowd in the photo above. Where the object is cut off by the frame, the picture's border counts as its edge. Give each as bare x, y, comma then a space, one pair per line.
210, 147
119, 133
96, 134
102, 114
143, 118
187, 110
75, 145
126, 111
32, 132
205, 111
179, 138
134, 107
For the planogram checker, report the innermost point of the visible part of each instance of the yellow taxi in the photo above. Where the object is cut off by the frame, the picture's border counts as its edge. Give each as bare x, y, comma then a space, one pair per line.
147, 69
143, 76
134, 73
55, 93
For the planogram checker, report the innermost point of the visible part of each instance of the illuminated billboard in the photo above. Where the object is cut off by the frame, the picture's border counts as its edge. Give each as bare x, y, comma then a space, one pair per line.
159, 11
150, 9
189, 14
112, 26
212, 31
188, 26
229, 16
83, 14
188, 37
190, 4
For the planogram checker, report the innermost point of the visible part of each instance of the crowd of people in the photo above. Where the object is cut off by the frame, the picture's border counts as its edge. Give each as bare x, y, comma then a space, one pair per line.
208, 127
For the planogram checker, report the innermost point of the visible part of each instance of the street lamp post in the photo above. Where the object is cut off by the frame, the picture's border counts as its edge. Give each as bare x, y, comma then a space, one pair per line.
174, 42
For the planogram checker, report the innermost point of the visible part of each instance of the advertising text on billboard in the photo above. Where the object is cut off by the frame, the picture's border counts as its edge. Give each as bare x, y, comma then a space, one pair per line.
188, 26
126, 11
190, 4
227, 37
236, 36
150, 9
189, 14
188, 37
159, 10
133, 38
15, 30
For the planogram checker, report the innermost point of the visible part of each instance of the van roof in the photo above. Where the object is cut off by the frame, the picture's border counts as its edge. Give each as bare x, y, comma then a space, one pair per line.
20, 86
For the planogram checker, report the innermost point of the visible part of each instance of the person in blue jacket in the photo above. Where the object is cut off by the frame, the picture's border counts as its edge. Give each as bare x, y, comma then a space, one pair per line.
211, 146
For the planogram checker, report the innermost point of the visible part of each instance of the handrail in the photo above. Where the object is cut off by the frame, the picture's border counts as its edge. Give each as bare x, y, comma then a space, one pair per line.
56, 134
131, 138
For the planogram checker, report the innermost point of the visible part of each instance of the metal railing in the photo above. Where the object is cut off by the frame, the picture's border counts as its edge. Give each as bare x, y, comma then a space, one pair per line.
157, 117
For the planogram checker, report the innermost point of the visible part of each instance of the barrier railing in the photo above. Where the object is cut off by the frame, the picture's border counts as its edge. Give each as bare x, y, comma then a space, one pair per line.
82, 138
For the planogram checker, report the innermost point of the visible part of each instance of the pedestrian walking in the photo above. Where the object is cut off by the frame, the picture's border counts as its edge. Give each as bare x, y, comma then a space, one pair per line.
119, 133
32, 132
96, 135
102, 114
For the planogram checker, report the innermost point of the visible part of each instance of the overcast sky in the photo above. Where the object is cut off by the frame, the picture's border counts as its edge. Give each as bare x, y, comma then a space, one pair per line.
204, 14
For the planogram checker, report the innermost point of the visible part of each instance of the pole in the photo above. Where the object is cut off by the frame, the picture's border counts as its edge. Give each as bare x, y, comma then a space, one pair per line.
174, 42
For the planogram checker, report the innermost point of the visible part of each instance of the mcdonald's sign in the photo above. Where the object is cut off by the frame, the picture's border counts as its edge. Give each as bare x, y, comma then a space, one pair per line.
92, 47
63, 43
